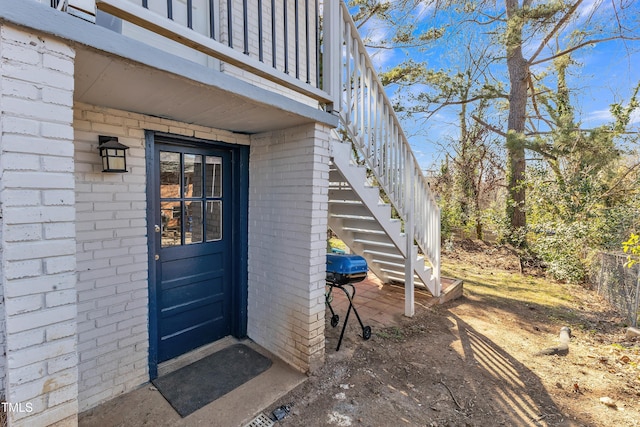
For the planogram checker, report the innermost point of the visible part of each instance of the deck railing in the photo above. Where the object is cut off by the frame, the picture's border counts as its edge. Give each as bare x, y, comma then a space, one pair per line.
278, 40
369, 121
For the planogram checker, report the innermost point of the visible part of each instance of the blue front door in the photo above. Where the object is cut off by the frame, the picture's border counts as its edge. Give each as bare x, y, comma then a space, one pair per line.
196, 280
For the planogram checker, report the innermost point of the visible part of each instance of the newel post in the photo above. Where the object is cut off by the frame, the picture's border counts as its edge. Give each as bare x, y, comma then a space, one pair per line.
409, 306
332, 31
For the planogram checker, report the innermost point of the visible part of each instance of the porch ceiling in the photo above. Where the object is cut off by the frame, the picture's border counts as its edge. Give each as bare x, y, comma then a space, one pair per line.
115, 82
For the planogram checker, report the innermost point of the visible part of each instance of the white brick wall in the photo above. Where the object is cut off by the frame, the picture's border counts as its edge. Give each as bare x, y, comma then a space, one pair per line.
111, 260
37, 236
112, 253
3, 348
288, 187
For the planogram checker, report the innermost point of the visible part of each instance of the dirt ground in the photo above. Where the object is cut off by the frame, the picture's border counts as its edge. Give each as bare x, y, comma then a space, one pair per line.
473, 362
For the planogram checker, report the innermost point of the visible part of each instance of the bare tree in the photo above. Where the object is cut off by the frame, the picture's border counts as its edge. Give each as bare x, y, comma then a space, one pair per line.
531, 33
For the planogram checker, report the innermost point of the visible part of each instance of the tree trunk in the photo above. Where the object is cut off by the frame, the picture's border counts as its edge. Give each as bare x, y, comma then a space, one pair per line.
463, 167
518, 74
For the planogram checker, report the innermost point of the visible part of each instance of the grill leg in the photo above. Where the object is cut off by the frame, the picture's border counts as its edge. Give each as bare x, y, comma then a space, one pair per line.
346, 318
327, 299
366, 330
353, 294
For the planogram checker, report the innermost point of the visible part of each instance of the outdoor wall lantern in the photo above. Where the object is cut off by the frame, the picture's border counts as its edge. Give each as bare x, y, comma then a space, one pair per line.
114, 154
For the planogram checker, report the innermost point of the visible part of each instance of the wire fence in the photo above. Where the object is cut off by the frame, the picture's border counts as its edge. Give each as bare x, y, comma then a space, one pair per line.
618, 284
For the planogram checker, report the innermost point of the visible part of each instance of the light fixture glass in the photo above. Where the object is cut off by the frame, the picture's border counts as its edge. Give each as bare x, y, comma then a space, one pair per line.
114, 154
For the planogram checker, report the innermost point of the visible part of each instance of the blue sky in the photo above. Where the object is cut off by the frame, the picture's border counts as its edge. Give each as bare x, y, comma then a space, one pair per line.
609, 71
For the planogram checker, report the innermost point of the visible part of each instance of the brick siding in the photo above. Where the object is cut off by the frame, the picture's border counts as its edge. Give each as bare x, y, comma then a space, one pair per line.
288, 193
38, 237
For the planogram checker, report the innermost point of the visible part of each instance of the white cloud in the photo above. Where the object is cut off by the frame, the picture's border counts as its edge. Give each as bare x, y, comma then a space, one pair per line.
424, 8
599, 117
375, 32
380, 58
589, 7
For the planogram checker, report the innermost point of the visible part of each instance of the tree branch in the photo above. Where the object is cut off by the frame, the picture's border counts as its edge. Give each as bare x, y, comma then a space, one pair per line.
609, 192
553, 31
397, 46
366, 16
578, 46
488, 126
491, 19
475, 98
534, 101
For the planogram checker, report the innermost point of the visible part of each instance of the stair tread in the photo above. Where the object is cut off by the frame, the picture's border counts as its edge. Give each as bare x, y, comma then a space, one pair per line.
364, 230
399, 272
380, 261
399, 276
346, 202
360, 217
386, 254
374, 243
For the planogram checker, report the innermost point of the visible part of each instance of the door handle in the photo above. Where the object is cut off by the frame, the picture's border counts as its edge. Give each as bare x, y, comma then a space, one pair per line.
157, 257
157, 228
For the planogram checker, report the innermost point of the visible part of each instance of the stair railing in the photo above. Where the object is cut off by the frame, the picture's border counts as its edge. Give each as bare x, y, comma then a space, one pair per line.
368, 119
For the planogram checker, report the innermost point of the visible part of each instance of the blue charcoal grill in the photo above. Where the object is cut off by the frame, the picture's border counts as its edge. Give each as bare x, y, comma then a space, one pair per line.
345, 270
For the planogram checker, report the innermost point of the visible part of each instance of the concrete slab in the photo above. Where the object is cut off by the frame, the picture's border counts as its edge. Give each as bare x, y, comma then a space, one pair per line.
379, 305
146, 406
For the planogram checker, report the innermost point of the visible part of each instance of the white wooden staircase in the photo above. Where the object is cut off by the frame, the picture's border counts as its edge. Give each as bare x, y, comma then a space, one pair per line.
372, 162
361, 219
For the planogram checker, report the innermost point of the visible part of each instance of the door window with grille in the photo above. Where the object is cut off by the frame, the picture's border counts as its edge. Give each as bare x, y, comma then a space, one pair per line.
191, 198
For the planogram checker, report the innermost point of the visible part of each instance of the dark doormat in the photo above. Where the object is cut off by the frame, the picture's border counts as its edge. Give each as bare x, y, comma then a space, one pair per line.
200, 383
